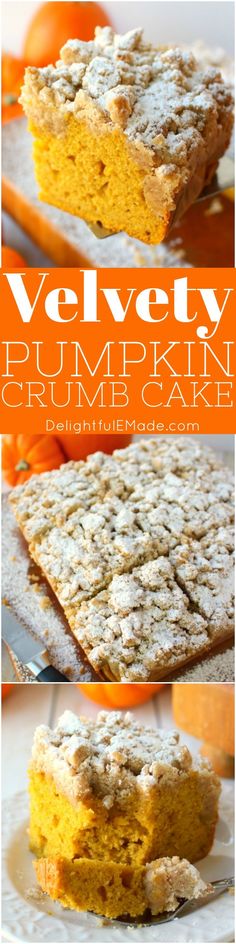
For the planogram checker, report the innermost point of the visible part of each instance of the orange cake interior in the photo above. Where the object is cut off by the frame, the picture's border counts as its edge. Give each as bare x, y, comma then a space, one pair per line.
116, 890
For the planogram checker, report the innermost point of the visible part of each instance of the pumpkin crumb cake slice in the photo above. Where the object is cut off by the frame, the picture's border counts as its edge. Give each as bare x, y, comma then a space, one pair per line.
126, 135
114, 791
114, 890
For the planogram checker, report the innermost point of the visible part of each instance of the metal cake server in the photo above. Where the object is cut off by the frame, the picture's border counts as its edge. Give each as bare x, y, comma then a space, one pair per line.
222, 180
27, 649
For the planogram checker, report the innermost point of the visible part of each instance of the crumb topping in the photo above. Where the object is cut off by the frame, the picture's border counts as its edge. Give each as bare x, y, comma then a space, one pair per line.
183, 456
80, 554
109, 758
142, 619
162, 99
205, 570
168, 880
76, 486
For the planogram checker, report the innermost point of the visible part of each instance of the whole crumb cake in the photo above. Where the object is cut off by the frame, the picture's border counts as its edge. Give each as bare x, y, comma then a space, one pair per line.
113, 790
126, 135
138, 548
114, 890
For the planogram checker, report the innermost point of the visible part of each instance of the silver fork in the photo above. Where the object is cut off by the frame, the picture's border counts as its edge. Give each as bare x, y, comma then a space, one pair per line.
222, 180
185, 907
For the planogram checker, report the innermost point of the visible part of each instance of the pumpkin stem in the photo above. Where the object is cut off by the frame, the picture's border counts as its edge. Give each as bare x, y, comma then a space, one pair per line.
22, 465
9, 98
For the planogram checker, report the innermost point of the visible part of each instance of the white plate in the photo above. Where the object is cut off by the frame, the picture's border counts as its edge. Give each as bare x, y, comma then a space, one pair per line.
29, 916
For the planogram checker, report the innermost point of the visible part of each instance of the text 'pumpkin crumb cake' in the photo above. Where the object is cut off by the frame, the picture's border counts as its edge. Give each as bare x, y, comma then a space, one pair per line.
107, 799
138, 548
126, 135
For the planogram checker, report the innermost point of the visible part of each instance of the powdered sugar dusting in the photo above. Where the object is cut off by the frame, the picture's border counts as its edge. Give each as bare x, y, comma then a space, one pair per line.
110, 758
48, 625
143, 619
163, 99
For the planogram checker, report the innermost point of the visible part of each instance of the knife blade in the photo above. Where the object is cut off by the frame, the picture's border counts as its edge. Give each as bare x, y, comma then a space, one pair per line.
28, 649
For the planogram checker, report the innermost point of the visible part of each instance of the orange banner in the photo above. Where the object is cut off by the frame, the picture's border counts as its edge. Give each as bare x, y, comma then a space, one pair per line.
118, 350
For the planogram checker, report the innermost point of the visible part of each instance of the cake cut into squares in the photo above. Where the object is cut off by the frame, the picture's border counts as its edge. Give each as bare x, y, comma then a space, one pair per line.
113, 790
126, 135
141, 626
80, 556
165, 507
114, 890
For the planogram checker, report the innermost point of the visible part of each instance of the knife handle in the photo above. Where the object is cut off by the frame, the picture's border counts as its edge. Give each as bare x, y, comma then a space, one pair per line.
49, 674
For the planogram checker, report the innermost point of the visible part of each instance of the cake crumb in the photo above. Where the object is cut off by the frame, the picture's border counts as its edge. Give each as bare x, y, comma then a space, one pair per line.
216, 206
45, 602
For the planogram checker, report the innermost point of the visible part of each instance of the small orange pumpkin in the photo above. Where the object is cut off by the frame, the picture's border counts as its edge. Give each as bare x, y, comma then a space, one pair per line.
11, 259
24, 455
56, 22
119, 694
12, 79
79, 446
